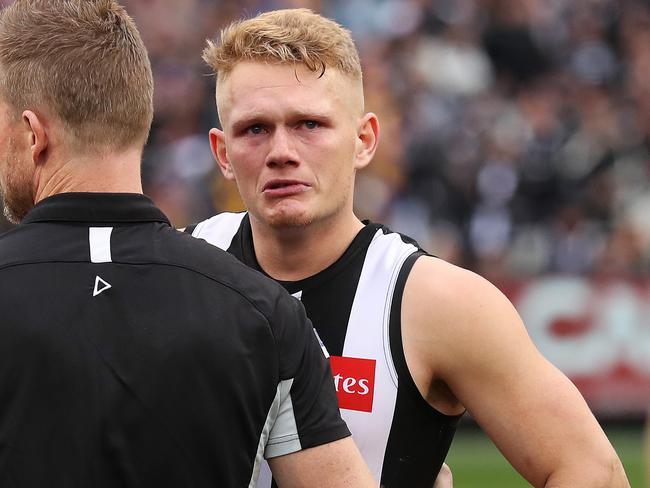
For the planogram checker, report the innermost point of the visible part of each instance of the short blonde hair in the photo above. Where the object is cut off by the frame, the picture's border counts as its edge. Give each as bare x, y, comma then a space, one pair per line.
83, 60
285, 37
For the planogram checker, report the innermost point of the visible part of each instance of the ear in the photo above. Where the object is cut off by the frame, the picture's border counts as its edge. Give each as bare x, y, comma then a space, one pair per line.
218, 146
367, 139
36, 133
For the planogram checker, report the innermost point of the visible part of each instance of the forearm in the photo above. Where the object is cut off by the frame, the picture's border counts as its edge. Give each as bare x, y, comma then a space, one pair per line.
335, 465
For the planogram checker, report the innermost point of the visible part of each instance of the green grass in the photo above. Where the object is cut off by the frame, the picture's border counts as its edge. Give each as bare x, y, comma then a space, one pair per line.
476, 462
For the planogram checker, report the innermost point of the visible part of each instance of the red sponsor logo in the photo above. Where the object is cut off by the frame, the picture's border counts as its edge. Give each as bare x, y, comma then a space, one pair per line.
354, 379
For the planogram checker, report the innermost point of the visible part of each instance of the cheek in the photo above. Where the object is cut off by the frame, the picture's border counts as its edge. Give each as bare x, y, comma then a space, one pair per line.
338, 161
244, 167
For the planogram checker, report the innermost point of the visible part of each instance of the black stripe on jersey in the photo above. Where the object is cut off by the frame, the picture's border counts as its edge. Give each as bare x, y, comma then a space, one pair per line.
241, 245
320, 289
332, 322
420, 436
190, 228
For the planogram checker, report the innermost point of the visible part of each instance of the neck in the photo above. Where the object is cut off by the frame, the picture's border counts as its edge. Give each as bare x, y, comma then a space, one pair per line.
104, 173
298, 253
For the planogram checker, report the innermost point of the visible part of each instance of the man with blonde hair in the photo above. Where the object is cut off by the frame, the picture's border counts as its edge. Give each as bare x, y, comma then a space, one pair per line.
132, 355
414, 340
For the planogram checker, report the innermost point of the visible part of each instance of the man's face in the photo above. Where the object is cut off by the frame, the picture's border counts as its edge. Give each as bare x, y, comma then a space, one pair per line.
15, 177
291, 141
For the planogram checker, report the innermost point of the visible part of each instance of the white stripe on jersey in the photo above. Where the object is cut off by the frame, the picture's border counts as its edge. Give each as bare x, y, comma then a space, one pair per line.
283, 438
220, 229
367, 337
99, 239
279, 435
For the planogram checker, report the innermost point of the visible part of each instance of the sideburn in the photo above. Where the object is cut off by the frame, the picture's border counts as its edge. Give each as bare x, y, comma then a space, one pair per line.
18, 197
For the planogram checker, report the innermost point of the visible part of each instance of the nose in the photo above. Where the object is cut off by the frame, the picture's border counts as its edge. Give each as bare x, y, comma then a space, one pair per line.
282, 150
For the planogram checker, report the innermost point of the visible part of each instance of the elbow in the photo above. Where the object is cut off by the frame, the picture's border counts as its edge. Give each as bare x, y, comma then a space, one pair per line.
610, 473
604, 473
615, 474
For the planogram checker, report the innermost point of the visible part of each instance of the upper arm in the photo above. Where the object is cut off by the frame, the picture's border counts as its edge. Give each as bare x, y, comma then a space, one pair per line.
334, 465
471, 338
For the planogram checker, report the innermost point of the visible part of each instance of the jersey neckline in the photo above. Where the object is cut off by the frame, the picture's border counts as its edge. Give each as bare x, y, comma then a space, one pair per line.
358, 244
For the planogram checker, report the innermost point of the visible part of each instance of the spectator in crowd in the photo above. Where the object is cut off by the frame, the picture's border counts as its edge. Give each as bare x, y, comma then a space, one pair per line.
524, 151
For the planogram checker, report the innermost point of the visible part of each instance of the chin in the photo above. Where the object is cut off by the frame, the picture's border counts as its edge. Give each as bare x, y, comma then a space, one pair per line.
15, 208
288, 220
15, 213
286, 215
17, 198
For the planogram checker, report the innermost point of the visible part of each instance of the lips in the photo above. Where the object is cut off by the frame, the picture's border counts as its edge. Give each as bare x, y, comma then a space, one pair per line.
284, 187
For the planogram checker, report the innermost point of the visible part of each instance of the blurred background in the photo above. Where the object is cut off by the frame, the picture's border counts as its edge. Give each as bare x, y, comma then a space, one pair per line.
515, 138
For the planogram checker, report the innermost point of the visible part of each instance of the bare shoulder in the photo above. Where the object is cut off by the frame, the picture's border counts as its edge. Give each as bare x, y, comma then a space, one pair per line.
457, 319
443, 291
438, 276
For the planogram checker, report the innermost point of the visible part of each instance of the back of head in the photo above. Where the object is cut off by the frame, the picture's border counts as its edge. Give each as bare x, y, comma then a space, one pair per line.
82, 62
287, 37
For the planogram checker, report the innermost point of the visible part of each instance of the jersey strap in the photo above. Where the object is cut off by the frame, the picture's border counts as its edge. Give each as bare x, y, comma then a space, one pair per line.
367, 338
420, 436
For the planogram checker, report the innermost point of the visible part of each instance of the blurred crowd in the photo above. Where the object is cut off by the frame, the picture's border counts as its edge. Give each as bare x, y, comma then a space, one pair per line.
515, 133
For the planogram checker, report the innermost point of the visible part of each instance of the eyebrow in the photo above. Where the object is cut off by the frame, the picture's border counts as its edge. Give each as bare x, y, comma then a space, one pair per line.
247, 120
251, 118
311, 114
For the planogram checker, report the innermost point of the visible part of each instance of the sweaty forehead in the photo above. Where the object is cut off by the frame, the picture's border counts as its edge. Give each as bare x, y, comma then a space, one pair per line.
257, 86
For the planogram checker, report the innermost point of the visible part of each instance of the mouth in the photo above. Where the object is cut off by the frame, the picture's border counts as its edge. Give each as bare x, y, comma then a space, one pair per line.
280, 188
277, 184
283, 187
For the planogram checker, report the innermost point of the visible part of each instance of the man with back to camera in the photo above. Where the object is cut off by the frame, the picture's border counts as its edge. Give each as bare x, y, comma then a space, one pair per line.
132, 355
414, 340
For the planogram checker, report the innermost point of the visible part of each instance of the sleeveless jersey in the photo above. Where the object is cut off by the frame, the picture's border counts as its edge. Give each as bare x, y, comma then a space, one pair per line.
355, 306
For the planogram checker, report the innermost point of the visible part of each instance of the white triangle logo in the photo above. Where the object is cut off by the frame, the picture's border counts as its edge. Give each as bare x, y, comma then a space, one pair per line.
100, 286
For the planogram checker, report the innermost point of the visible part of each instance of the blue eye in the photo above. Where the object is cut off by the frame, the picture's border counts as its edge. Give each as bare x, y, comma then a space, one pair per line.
311, 124
256, 129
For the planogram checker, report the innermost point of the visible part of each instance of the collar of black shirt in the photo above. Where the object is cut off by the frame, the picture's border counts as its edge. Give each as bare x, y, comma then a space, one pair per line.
96, 207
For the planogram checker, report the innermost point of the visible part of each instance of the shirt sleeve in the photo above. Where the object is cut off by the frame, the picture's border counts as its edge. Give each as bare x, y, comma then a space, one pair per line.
307, 407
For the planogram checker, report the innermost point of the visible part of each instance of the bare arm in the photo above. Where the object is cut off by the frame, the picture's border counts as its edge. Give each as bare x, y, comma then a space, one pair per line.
334, 465
473, 341
445, 478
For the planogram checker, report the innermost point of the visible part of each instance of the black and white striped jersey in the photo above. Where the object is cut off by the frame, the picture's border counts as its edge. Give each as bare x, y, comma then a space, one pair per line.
132, 355
355, 305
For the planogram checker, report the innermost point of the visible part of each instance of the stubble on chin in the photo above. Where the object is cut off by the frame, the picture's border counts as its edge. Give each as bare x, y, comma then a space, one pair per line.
287, 216
15, 208
14, 211
284, 214
289, 220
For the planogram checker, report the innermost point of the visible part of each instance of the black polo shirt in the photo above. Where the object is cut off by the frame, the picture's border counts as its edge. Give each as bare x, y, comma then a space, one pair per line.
133, 355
